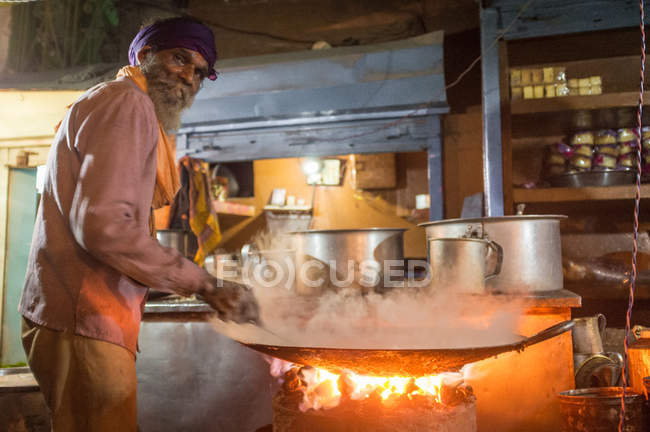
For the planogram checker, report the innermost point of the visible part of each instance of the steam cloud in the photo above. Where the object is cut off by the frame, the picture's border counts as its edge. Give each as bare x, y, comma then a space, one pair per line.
403, 318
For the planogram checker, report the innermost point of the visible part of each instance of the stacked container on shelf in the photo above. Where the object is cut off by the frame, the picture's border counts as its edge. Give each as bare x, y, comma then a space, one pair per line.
601, 150
538, 82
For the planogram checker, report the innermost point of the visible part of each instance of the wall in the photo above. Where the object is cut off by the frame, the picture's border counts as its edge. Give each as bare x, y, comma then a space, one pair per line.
28, 114
338, 207
5, 29
291, 25
462, 160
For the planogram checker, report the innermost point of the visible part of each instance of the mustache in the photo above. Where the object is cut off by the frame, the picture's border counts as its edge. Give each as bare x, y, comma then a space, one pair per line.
170, 90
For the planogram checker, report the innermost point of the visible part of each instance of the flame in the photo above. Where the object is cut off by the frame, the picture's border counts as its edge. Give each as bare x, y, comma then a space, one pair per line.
323, 387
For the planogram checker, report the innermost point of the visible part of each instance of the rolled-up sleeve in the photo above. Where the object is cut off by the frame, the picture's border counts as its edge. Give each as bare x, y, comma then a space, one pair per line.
116, 146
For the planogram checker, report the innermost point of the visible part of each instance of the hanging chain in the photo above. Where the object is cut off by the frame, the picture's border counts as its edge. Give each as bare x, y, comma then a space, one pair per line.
637, 201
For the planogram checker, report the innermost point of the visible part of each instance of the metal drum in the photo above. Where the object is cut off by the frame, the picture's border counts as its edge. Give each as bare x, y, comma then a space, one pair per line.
532, 250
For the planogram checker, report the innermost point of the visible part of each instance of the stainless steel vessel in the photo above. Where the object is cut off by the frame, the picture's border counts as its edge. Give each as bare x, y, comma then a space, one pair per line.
588, 334
175, 238
532, 251
463, 265
345, 257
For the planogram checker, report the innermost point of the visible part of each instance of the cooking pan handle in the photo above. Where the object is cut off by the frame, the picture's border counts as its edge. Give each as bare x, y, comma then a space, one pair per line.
496, 247
549, 333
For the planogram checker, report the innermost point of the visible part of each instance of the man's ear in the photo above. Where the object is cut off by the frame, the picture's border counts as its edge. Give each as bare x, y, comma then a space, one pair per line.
143, 53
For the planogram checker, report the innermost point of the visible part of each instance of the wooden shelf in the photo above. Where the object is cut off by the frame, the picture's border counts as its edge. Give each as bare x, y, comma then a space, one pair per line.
233, 208
549, 195
568, 103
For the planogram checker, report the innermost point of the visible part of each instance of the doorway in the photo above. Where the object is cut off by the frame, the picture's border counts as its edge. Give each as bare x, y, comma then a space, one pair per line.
22, 202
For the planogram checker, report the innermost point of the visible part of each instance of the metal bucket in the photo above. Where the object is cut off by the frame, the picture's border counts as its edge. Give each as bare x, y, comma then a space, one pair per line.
531, 247
347, 257
22, 406
598, 410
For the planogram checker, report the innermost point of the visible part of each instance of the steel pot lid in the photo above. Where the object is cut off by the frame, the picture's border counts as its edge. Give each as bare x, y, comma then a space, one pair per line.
494, 219
599, 393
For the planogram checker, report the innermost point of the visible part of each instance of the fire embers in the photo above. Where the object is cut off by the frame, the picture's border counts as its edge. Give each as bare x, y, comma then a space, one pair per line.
317, 400
320, 389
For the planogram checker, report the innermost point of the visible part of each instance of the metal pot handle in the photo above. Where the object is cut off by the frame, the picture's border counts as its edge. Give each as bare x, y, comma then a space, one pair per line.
602, 324
549, 333
496, 247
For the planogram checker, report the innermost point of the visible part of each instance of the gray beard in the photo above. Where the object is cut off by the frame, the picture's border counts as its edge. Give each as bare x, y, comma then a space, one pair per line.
163, 92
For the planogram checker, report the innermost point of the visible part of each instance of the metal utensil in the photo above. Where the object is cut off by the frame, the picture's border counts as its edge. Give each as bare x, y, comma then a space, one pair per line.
399, 362
588, 334
339, 248
259, 324
461, 264
532, 248
593, 178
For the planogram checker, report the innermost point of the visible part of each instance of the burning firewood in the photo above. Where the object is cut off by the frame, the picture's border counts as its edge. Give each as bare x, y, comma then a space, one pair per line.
315, 400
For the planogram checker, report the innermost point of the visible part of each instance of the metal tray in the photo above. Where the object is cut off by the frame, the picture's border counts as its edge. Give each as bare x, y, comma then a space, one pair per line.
593, 178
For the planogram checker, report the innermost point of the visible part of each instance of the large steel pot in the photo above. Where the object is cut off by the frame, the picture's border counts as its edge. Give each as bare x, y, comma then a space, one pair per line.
532, 250
345, 257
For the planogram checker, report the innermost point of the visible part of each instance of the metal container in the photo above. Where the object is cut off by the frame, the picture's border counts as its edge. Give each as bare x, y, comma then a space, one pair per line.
176, 239
22, 406
346, 257
532, 250
593, 178
588, 334
597, 370
598, 410
462, 265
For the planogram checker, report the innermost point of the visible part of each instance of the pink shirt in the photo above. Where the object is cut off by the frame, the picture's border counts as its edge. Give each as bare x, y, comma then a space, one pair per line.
92, 256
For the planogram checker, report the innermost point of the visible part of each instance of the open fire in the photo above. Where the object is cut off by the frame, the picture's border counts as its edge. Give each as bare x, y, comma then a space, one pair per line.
313, 399
323, 389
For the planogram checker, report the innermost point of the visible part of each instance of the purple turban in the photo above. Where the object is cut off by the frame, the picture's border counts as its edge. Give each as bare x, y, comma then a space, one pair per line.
177, 33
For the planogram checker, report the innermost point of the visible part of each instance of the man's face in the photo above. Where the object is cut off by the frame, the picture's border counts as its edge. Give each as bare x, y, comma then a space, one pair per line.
174, 77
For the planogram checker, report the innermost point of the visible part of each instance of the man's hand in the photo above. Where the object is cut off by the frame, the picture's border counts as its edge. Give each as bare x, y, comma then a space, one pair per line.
231, 300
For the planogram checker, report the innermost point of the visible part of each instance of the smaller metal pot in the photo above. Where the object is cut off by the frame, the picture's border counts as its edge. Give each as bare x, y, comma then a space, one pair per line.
176, 239
461, 264
531, 244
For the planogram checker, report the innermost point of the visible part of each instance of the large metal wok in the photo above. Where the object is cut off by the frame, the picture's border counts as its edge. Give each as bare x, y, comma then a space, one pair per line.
400, 362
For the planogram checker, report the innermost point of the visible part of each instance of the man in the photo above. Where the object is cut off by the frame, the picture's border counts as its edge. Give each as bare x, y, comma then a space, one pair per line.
92, 255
